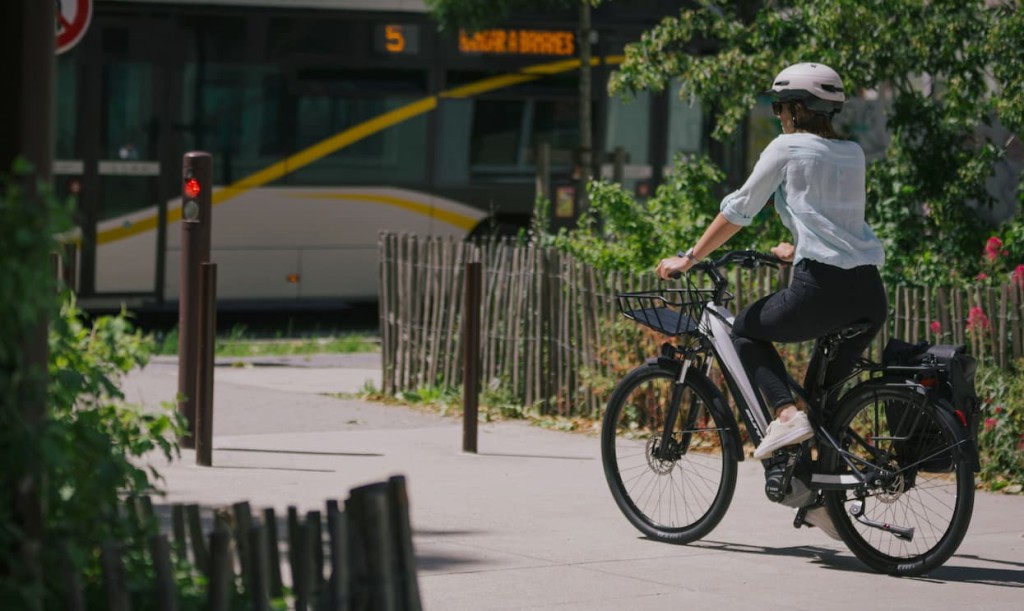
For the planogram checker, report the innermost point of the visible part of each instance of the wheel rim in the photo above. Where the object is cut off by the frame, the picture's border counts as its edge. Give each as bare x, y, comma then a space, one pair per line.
674, 490
887, 430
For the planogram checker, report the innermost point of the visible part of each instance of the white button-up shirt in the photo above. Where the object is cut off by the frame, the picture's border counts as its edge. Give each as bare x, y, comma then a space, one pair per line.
819, 194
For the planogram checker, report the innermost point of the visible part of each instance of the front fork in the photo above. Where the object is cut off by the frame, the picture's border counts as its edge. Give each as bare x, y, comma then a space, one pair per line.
667, 449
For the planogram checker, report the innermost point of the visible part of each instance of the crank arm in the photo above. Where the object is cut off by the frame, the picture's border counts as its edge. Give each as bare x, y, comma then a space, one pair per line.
900, 532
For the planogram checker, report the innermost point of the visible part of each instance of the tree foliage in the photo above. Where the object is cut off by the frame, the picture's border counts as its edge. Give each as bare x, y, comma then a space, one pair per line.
619, 231
946, 67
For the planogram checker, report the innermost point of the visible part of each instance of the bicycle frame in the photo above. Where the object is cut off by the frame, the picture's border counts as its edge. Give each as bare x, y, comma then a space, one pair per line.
718, 320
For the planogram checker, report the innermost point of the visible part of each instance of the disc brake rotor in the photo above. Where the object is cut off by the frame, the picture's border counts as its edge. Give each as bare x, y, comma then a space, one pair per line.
658, 465
893, 490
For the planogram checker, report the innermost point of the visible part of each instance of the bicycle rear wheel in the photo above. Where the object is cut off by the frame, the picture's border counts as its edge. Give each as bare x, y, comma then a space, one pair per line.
927, 483
679, 493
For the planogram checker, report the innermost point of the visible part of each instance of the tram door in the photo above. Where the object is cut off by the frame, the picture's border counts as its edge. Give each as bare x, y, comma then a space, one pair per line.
121, 85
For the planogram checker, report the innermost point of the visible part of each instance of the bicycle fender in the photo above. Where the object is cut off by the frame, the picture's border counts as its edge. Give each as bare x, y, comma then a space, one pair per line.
719, 405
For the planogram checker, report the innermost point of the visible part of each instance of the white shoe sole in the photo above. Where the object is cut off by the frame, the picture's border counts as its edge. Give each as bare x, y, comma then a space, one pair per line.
791, 438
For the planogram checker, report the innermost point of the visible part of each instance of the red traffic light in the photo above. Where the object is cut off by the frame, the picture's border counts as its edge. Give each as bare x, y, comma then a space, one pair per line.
192, 188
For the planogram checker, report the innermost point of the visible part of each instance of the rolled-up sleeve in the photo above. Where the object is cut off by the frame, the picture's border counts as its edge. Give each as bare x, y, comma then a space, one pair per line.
740, 206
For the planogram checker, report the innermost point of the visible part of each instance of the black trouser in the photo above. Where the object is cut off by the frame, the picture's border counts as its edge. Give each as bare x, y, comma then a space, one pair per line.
822, 298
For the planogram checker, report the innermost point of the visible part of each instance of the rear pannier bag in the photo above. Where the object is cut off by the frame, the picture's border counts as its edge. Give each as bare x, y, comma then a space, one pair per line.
955, 384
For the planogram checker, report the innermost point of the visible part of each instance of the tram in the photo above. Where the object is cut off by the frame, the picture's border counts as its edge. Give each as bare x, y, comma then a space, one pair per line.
329, 121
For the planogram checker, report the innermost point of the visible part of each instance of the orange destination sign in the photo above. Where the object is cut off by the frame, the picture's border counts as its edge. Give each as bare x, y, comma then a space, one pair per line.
518, 42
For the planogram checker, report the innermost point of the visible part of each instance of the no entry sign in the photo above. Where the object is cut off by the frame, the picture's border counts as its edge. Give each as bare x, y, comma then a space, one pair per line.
73, 17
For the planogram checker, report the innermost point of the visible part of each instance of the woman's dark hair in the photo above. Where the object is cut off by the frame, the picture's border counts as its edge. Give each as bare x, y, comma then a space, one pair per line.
812, 122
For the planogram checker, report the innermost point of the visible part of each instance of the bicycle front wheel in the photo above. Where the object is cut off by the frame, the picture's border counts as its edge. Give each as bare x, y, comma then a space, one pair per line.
913, 518
676, 492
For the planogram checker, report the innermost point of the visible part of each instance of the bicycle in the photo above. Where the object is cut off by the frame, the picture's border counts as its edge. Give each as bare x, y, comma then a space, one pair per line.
891, 461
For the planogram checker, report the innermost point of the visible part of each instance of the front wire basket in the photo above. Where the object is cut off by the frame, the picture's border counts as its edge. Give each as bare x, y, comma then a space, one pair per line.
667, 311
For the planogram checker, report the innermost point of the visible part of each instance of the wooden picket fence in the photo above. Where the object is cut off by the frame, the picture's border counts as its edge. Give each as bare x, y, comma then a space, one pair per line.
357, 559
552, 336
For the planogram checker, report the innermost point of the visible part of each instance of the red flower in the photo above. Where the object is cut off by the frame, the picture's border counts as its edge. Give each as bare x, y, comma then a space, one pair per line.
993, 248
999, 409
977, 321
990, 423
981, 276
936, 327
1018, 275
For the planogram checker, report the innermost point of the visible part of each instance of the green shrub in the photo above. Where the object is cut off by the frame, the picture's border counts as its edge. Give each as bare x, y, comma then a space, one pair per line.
83, 451
618, 231
1001, 436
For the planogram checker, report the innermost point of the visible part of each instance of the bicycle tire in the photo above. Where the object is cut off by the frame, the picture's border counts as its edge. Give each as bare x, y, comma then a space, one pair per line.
938, 505
697, 485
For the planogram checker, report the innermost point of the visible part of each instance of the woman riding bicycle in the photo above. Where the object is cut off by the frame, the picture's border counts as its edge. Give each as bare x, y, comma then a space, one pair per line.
817, 181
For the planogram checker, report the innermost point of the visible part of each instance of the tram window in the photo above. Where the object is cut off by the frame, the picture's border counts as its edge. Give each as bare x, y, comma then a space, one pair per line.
628, 126
505, 134
66, 101
452, 146
685, 122
330, 102
394, 155
557, 123
131, 123
497, 133
234, 113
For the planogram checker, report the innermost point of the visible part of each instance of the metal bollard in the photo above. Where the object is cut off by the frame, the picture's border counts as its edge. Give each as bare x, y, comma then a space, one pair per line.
207, 344
196, 204
471, 357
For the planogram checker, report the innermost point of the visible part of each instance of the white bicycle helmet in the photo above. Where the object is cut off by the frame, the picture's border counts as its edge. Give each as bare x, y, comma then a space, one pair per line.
819, 87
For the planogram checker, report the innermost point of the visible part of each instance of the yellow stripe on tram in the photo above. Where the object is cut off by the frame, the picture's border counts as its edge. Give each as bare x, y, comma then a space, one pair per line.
354, 134
461, 221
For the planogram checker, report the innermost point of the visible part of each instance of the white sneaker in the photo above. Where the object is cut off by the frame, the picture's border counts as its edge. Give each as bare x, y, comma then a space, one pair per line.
819, 518
782, 434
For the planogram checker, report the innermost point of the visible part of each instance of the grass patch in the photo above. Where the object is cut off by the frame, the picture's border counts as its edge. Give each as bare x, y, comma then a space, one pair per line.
495, 405
237, 343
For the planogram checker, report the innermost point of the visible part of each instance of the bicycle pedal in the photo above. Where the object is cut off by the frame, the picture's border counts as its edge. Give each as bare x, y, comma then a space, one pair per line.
799, 521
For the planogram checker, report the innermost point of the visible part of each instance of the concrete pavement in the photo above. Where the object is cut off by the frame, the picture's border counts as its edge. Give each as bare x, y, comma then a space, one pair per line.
528, 523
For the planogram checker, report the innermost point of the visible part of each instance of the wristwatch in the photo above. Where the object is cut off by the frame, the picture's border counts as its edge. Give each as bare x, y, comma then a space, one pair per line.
689, 255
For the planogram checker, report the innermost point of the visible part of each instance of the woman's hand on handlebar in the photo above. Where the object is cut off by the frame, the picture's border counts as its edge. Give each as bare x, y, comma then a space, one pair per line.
673, 267
784, 251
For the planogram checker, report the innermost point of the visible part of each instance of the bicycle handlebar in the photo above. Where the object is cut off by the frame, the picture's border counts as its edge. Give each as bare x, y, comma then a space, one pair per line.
749, 259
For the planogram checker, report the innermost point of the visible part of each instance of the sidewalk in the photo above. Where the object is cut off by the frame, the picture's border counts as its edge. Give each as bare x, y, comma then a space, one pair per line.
528, 523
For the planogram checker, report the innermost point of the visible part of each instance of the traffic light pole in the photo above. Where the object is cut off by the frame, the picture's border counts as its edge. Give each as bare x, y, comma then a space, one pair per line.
196, 204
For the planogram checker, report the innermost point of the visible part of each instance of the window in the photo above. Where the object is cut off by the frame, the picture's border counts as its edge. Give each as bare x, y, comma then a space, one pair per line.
493, 138
506, 133
131, 122
685, 124
251, 116
628, 126
234, 113
330, 102
394, 155
66, 101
